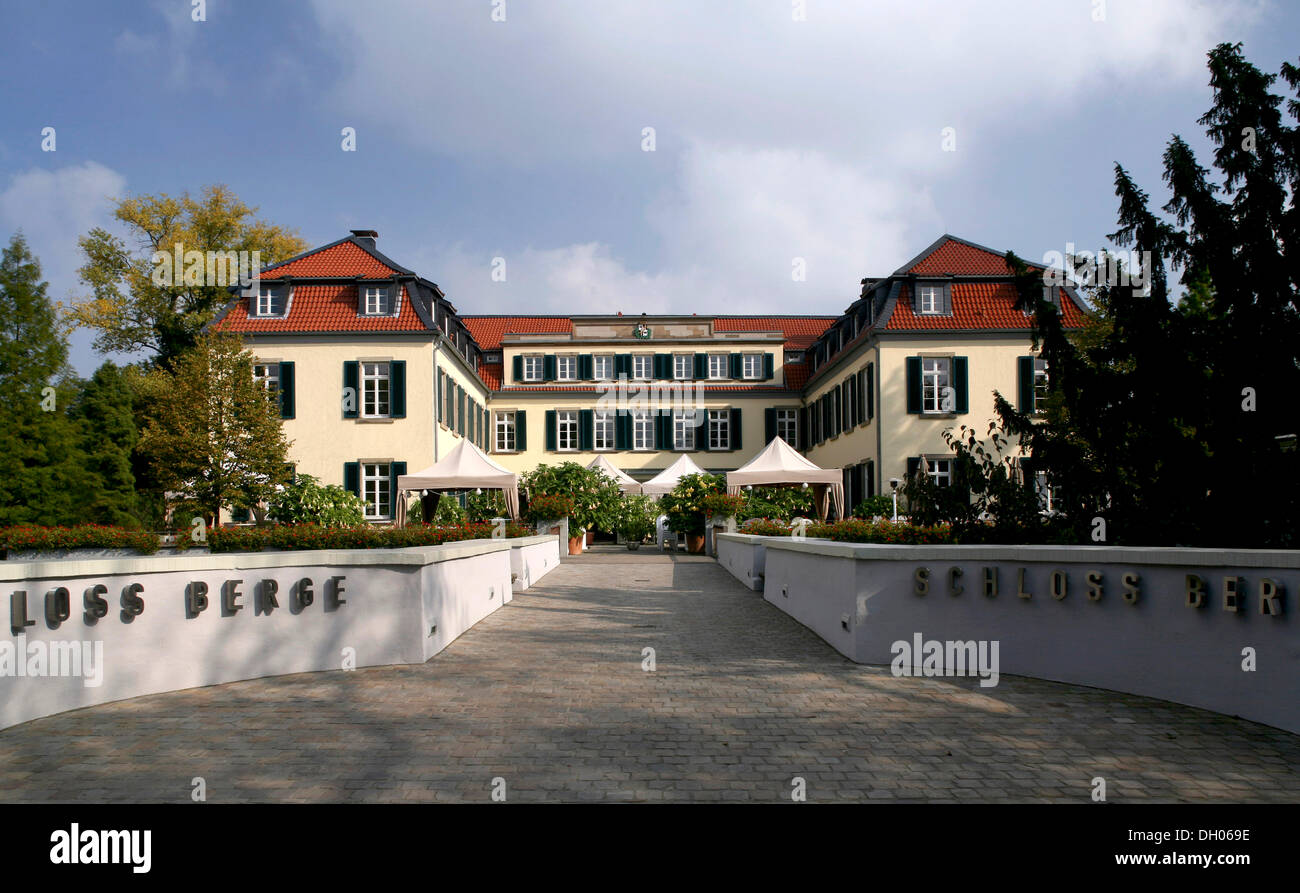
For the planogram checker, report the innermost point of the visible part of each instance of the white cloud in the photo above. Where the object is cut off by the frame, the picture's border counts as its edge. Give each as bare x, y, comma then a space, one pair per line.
732, 228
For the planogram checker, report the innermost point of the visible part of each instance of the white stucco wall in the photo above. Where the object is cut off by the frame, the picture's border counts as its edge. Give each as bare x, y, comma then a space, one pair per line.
1158, 646
532, 558
400, 606
744, 557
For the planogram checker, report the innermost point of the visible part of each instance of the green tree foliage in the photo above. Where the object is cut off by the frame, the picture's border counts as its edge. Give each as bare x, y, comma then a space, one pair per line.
684, 506
103, 410
636, 517
127, 308
778, 503
215, 438
43, 478
1172, 422
485, 506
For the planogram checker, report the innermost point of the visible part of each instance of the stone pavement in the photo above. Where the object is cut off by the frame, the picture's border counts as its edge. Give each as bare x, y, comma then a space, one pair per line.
549, 695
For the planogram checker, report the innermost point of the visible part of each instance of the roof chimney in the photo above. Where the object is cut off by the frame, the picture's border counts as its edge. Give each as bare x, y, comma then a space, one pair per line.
365, 237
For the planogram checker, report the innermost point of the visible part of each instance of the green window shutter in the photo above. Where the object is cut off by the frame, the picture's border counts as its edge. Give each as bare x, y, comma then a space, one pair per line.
550, 431
623, 365
850, 403
397, 389
437, 394
460, 410
286, 391
586, 368
701, 365
913, 384
769, 367
1025, 383
521, 430
837, 411
394, 469
737, 365
351, 385
871, 391
518, 370
869, 472
352, 477
548, 367
663, 432
959, 377
471, 424
623, 431
802, 431
663, 365
239, 516
913, 466
586, 429
1027, 470
769, 425
737, 441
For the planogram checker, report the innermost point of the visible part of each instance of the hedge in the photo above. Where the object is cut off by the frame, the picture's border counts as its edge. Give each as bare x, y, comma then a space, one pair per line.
857, 531
82, 536
365, 536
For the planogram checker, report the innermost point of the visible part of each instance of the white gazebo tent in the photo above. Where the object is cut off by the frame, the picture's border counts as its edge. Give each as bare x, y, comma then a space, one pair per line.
466, 467
625, 481
665, 480
778, 464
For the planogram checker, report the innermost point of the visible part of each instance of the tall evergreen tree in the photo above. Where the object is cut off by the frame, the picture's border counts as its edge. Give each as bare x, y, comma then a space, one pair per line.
103, 409
1172, 422
42, 475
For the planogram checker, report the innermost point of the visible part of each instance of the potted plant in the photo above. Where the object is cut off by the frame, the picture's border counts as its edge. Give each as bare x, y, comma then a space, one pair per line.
594, 497
635, 521
684, 507
547, 508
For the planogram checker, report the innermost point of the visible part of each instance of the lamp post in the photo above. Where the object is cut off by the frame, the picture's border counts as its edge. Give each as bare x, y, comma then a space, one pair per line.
893, 484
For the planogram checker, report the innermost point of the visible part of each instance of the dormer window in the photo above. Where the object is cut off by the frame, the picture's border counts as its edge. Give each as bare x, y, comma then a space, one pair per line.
378, 300
931, 298
270, 301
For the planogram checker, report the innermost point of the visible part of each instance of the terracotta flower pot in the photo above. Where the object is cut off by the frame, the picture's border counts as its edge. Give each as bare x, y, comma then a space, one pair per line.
695, 543
591, 537
575, 545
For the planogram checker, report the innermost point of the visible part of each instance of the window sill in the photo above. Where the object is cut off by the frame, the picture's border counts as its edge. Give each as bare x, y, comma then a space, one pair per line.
375, 420
939, 415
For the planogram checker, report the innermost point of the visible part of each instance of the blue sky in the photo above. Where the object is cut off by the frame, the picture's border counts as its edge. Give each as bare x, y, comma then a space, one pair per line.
775, 138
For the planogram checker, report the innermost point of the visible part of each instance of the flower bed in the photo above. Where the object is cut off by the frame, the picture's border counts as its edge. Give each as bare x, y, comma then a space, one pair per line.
310, 536
83, 536
857, 531
764, 527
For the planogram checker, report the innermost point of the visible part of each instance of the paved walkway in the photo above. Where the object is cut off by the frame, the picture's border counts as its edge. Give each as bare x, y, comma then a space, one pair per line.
549, 695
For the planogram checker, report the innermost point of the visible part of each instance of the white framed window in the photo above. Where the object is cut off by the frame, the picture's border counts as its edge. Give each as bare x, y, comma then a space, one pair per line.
602, 366
270, 300
533, 368
1040, 384
719, 429
374, 390
787, 426
603, 429
940, 471
751, 365
684, 429
718, 365
375, 490
937, 394
683, 365
1043, 490
504, 427
566, 368
931, 298
268, 376
643, 430
377, 300
566, 430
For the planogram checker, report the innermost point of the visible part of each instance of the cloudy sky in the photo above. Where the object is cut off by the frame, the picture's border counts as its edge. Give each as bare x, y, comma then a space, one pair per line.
782, 129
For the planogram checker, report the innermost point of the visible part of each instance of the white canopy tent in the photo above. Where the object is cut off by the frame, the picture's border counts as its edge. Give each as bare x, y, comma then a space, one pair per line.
625, 481
665, 480
466, 467
780, 465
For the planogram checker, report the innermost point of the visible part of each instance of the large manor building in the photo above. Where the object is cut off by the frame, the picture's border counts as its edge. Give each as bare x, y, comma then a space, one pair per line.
379, 374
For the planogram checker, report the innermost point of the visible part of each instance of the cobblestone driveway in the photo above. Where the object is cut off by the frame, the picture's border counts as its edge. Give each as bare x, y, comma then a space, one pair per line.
549, 694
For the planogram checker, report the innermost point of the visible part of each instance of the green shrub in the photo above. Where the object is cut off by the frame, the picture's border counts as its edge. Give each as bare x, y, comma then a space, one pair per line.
364, 536
878, 506
26, 538
549, 507
684, 506
449, 511
485, 506
636, 517
778, 502
306, 501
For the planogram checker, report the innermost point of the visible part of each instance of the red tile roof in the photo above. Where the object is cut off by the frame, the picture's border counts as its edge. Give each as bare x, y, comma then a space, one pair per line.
488, 330
322, 308
344, 259
795, 375
800, 331
590, 388
975, 305
954, 258
491, 374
